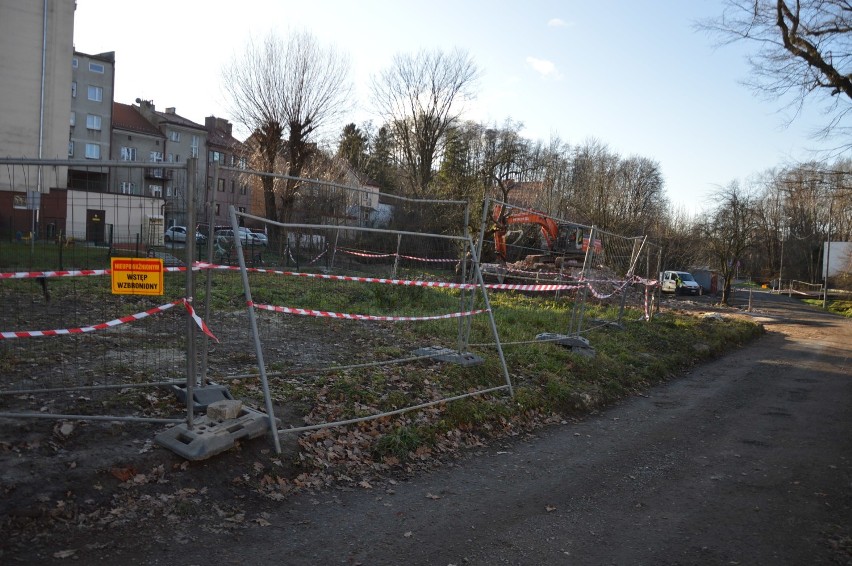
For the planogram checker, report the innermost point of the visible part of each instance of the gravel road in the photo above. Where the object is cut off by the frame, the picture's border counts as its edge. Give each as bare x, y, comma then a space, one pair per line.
746, 460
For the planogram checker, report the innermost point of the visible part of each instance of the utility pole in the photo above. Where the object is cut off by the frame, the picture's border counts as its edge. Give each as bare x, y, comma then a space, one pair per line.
827, 256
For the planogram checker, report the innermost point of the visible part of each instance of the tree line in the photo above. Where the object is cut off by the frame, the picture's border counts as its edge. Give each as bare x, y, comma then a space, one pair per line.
287, 91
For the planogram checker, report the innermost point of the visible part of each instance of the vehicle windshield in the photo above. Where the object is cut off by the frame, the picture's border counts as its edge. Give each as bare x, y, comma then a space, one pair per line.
686, 277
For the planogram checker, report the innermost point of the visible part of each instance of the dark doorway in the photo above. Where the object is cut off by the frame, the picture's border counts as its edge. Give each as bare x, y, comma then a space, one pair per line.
95, 226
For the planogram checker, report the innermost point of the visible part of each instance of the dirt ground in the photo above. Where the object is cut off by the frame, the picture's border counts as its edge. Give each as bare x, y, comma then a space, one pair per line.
747, 460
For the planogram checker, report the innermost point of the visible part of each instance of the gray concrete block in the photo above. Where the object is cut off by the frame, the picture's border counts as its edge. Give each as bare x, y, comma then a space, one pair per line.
224, 410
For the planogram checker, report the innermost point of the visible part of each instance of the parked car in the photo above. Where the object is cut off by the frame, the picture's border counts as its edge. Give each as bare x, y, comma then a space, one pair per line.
247, 238
178, 234
254, 235
260, 234
680, 283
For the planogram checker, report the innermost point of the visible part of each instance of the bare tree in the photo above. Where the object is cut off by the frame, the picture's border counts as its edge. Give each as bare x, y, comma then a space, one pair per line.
640, 183
728, 232
804, 49
284, 91
420, 97
593, 190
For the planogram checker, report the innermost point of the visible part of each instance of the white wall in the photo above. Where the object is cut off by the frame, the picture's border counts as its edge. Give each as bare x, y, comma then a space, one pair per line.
841, 258
125, 212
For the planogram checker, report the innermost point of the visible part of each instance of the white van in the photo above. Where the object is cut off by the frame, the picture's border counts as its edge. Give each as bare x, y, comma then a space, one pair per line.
680, 283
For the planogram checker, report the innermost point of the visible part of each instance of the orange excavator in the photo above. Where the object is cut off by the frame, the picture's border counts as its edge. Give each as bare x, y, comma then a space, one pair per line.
561, 239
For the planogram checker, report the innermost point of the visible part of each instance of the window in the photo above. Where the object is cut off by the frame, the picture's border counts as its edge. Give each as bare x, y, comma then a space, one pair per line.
177, 158
193, 147
96, 68
169, 191
221, 186
233, 185
73, 118
93, 122
242, 209
171, 158
74, 63
155, 190
155, 157
73, 89
93, 151
217, 209
96, 93
243, 189
215, 156
174, 136
128, 153
128, 188
71, 148
242, 162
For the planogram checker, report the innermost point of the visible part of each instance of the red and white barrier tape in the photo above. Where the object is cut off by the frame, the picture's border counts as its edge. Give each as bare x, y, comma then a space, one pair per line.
71, 273
290, 255
77, 273
112, 323
316, 259
364, 254
328, 314
411, 257
198, 320
429, 259
539, 273
403, 282
647, 303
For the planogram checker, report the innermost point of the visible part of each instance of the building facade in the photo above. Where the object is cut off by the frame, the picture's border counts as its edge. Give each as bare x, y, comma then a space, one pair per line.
184, 139
92, 87
231, 187
37, 45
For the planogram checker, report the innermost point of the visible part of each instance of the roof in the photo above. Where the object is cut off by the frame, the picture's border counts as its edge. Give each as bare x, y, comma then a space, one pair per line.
178, 120
127, 117
219, 135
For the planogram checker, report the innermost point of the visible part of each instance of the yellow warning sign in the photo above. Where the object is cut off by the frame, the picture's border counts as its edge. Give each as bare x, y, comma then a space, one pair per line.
137, 276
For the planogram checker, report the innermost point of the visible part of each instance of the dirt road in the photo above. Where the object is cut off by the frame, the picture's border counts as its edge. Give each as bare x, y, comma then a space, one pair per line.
747, 460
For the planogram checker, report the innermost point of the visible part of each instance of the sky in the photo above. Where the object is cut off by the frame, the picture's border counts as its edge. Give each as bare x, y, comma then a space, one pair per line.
634, 76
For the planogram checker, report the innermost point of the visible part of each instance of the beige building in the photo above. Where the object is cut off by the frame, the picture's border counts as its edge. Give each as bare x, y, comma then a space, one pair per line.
184, 139
92, 87
36, 39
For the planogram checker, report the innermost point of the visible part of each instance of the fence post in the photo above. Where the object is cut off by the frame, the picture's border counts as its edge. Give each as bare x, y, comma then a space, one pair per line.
191, 167
579, 310
258, 348
208, 286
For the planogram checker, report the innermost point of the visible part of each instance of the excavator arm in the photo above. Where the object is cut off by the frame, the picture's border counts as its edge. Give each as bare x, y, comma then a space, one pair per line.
549, 228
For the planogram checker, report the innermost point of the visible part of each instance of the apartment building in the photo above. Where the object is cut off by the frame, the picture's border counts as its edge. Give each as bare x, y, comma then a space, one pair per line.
232, 187
57, 103
36, 39
184, 139
92, 87
136, 140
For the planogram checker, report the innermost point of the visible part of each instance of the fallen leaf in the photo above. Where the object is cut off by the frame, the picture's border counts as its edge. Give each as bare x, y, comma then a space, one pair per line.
123, 474
262, 522
408, 534
550, 508
365, 484
430, 496
65, 553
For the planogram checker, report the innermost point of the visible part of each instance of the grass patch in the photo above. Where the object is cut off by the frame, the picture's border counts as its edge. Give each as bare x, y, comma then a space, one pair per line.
843, 308
397, 443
